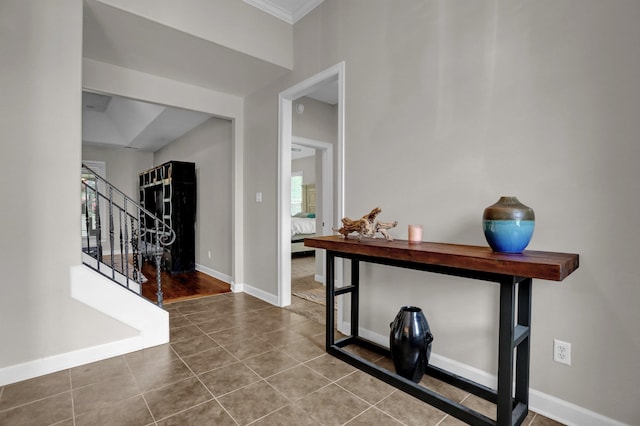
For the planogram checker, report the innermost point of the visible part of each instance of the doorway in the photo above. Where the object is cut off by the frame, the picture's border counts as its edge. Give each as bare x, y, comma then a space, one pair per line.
182, 119
332, 193
323, 194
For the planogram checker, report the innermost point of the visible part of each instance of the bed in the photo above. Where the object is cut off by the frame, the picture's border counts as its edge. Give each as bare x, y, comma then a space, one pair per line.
302, 227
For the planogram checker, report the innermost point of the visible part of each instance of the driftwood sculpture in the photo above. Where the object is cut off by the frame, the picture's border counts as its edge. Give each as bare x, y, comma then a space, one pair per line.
366, 227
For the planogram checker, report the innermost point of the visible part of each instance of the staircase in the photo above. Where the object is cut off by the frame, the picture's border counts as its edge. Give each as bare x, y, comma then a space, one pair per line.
118, 234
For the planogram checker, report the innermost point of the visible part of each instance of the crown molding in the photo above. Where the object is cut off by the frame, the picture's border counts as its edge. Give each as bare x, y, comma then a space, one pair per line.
280, 10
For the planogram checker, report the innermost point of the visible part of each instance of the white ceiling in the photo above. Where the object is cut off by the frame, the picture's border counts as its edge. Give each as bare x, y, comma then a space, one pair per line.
299, 151
115, 122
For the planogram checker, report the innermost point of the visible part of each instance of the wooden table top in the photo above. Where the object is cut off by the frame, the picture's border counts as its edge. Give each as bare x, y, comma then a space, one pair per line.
532, 264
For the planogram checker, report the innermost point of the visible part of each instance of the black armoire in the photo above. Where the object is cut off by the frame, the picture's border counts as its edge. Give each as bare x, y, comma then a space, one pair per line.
169, 191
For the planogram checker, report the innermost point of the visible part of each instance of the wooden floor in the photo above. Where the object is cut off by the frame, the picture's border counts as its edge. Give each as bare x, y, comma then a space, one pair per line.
188, 285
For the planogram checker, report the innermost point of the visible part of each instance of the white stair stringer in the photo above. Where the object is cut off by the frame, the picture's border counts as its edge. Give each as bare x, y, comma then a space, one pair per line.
102, 294
118, 277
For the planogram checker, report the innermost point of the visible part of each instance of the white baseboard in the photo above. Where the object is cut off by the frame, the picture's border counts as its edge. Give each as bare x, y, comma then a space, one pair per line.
542, 403
260, 294
235, 288
215, 274
566, 412
93, 289
39, 367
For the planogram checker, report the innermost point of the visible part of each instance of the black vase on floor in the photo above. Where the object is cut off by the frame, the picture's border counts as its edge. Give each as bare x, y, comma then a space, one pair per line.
410, 343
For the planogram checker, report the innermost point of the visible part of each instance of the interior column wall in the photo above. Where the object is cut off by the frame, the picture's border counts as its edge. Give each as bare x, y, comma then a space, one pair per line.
41, 104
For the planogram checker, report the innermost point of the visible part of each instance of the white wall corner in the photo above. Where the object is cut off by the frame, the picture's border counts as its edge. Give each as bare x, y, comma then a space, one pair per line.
542, 403
235, 287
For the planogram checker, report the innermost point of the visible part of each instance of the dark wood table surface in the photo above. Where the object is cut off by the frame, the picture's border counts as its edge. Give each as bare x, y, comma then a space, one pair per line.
533, 264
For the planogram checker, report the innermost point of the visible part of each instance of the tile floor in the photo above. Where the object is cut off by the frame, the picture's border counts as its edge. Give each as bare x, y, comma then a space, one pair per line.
232, 360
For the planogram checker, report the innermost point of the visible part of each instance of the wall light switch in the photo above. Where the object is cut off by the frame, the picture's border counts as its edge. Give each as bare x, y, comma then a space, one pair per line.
258, 197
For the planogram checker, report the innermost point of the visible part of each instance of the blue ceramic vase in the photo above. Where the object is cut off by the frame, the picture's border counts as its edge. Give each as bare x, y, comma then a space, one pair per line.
410, 343
508, 225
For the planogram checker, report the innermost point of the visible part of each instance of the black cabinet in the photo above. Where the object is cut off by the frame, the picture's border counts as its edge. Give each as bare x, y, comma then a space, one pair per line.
169, 192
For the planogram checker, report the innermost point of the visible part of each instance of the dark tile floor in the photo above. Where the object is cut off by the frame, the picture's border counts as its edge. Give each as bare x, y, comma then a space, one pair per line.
232, 360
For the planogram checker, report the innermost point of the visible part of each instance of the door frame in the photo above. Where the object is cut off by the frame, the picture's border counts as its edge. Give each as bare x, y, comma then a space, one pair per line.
285, 137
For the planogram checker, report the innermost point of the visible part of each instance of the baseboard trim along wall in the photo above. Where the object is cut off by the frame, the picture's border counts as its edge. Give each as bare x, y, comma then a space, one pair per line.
39, 367
235, 287
92, 289
542, 403
215, 274
260, 294
98, 292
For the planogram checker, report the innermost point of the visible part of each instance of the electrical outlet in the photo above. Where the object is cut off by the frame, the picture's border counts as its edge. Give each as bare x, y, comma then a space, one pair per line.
562, 352
209, 253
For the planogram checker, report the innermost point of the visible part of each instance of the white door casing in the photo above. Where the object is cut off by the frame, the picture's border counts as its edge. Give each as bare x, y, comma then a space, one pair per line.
285, 138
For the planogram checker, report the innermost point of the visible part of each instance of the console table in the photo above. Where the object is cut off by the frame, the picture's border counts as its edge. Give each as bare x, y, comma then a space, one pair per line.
514, 274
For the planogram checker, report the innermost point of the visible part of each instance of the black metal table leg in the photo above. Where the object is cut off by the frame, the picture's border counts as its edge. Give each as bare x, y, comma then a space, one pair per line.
505, 351
514, 336
523, 353
330, 290
355, 296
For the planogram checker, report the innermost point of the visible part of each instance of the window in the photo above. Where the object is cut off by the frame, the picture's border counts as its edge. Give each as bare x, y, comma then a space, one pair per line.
88, 202
296, 193
88, 205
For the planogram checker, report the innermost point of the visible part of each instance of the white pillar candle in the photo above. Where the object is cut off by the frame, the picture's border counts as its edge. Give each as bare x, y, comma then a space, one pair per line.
415, 234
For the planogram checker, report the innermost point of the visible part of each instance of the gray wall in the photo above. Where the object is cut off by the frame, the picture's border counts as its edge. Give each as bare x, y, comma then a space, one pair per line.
122, 166
318, 121
454, 102
209, 146
229, 23
40, 189
307, 166
450, 105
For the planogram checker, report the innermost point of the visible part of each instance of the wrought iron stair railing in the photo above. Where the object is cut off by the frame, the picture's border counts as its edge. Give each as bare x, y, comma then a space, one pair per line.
118, 234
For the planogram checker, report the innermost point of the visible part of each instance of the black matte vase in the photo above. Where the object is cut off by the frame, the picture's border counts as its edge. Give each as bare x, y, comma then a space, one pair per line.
410, 343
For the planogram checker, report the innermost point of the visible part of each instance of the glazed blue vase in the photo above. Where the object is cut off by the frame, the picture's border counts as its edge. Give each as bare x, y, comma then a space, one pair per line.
508, 225
410, 343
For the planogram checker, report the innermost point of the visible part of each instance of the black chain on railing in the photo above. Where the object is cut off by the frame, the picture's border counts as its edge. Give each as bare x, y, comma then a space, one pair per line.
123, 213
